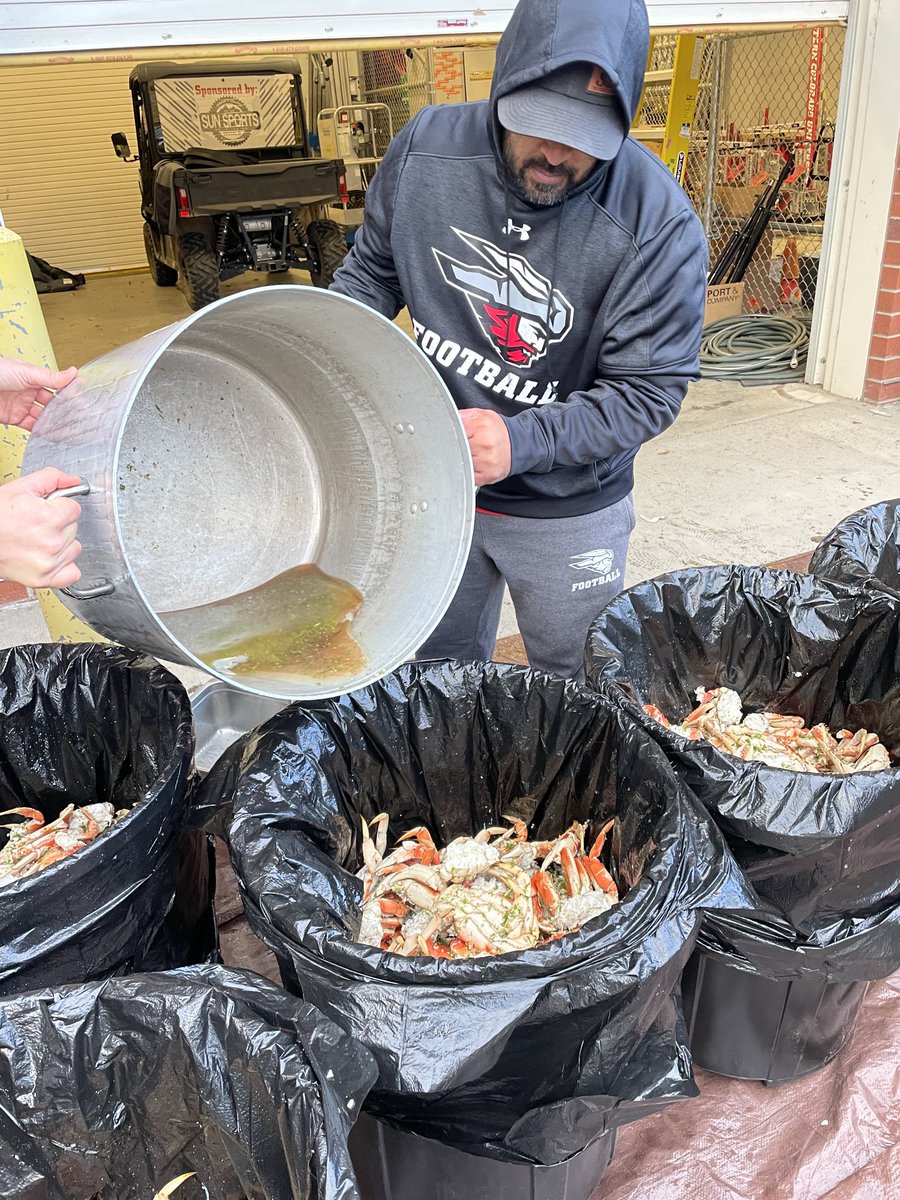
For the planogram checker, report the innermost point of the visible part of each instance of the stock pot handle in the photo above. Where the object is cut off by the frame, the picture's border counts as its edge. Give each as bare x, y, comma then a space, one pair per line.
103, 587
79, 489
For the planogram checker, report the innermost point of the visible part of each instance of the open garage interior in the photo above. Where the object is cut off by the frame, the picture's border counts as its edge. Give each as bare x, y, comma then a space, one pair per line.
738, 108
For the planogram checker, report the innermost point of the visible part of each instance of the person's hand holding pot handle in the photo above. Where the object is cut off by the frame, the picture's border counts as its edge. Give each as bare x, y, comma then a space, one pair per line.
38, 537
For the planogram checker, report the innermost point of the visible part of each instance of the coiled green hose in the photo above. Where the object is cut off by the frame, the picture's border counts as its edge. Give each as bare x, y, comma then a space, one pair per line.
755, 348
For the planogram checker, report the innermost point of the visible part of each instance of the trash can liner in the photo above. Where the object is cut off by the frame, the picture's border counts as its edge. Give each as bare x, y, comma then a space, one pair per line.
793, 883
118, 1087
632, 1067
83, 724
822, 650
660, 1074
855, 949
468, 1048
863, 548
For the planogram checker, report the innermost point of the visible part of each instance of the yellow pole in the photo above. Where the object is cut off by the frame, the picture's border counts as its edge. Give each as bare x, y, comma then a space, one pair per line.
23, 334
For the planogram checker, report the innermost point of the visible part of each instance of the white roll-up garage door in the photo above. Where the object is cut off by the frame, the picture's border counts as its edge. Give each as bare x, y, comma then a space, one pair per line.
62, 26
62, 189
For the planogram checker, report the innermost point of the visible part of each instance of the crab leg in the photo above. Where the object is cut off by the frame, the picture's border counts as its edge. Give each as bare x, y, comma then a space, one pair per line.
600, 878
426, 851
33, 818
373, 851
657, 714
519, 828
597, 847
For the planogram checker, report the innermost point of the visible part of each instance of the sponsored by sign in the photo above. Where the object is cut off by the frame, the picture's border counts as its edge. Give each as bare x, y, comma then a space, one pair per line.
215, 112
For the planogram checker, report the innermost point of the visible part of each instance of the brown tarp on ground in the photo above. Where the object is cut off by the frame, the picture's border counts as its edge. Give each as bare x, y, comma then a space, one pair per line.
834, 1135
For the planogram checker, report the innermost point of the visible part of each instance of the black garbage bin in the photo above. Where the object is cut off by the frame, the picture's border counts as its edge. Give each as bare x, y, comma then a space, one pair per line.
788, 1027
116, 1088
762, 1003
525, 1059
83, 724
864, 548
775, 997
393, 1164
815, 846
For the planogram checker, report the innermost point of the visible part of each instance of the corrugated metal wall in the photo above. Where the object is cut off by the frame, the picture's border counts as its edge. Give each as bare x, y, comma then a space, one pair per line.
62, 189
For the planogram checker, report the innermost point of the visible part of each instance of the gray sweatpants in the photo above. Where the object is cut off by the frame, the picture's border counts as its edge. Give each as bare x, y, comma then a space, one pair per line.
560, 574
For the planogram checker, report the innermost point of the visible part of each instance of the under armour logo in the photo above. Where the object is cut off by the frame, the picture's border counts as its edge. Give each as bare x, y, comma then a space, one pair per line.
522, 230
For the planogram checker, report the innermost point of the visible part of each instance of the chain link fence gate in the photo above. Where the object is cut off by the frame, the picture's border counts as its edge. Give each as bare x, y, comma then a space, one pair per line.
357, 100
401, 79
764, 101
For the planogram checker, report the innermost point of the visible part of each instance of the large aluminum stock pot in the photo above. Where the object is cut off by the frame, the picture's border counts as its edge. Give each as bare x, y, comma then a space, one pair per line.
278, 426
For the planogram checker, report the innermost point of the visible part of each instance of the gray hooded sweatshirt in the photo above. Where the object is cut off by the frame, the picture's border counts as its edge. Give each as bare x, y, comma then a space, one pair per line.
578, 322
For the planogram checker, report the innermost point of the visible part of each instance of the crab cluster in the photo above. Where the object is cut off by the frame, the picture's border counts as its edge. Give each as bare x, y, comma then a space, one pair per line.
775, 738
493, 893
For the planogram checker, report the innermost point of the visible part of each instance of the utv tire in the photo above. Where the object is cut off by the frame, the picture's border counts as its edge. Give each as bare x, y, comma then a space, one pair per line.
199, 275
326, 241
161, 275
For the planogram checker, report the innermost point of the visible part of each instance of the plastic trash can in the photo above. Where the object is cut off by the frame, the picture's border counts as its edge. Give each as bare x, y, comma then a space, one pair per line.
746, 1026
393, 1164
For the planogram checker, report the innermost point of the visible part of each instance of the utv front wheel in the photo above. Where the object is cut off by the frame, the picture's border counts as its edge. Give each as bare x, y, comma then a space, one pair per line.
161, 275
199, 275
328, 246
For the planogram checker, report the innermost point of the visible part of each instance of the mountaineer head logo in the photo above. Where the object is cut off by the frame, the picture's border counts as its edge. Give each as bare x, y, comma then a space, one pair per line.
517, 310
598, 562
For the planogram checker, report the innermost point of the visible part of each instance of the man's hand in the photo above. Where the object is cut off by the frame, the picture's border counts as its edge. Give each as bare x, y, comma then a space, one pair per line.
38, 545
26, 389
489, 444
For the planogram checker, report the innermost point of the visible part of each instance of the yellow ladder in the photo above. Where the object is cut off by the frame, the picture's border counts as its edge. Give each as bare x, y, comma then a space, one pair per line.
669, 99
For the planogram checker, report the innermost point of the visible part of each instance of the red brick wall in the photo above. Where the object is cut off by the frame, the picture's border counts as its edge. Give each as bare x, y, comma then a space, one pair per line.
11, 593
883, 373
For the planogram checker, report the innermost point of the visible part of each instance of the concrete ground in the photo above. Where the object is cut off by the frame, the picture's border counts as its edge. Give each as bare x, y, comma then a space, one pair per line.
744, 475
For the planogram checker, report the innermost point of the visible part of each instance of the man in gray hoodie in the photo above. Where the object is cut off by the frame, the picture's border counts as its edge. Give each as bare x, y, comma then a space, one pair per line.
555, 275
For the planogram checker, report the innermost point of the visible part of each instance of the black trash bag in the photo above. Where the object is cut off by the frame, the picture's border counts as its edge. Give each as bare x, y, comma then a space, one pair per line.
48, 278
83, 724
851, 949
863, 548
189, 934
524, 1057
816, 846
116, 1088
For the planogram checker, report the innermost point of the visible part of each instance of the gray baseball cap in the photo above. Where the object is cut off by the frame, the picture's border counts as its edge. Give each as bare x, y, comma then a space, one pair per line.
576, 106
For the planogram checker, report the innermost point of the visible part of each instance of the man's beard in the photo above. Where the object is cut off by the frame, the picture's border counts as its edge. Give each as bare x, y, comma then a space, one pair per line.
541, 194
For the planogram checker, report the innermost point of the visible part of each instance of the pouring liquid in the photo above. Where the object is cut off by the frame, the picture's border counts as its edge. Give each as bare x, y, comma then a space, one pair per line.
296, 625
